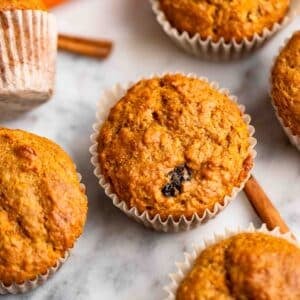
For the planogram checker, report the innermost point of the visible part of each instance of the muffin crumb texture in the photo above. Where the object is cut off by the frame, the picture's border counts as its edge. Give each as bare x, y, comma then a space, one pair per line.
42, 205
246, 266
22, 4
286, 84
174, 146
228, 19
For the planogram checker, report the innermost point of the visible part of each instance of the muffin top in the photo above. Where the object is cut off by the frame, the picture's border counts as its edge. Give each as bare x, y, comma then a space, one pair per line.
228, 19
246, 266
174, 146
286, 84
42, 205
22, 4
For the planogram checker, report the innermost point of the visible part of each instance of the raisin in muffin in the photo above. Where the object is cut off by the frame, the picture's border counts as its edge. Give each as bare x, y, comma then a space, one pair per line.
216, 19
27, 57
174, 146
286, 85
43, 207
246, 266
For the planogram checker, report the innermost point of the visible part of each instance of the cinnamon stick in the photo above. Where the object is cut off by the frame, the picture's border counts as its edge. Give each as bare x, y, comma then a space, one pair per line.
264, 207
85, 46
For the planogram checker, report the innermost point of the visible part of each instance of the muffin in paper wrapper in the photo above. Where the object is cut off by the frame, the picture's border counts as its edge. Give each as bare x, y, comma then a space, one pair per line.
220, 50
28, 49
183, 268
108, 100
30, 285
294, 139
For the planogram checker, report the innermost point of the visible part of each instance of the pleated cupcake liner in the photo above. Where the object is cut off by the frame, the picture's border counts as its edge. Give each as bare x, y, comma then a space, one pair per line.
183, 268
108, 100
28, 49
221, 50
29, 285
294, 139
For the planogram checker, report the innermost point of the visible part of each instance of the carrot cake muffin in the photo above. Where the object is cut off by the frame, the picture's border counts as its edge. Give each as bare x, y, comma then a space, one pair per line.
286, 84
216, 19
22, 4
43, 207
28, 42
246, 266
174, 146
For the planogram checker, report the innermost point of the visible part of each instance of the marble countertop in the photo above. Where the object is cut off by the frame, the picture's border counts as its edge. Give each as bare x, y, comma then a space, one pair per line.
117, 258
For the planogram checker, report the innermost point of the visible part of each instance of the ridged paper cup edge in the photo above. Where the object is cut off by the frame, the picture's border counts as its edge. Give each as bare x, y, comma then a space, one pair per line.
108, 100
294, 139
295, 5
30, 285
183, 268
28, 60
220, 50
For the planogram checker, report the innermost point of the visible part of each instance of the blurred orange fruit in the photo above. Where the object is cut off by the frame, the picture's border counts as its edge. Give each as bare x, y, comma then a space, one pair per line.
52, 3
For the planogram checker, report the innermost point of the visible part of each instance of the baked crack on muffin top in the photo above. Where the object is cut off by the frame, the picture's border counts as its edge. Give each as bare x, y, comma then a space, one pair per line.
228, 19
43, 208
286, 84
246, 266
174, 146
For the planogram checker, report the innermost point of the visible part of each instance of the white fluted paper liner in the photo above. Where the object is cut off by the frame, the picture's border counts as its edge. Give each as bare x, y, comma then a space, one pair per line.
28, 49
108, 100
220, 50
294, 139
183, 268
30, 285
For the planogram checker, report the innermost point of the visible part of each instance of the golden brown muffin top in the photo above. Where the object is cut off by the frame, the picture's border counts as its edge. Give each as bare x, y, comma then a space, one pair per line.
286, 84
229, 19
22, 4
174, 146
245, 267
42, 205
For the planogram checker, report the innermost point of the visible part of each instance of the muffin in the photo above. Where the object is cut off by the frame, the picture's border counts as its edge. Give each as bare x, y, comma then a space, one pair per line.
286, 88
28, 41
238, 19
43, 208
22, 4
245, 266
221, 29
174, 147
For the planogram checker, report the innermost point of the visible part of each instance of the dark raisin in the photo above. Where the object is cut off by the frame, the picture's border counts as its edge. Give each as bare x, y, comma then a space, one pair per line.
155, 116
177, 177
180, 174
169, 190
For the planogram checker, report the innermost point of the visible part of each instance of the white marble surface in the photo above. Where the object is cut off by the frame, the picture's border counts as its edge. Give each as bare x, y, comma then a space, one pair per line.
117, 258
